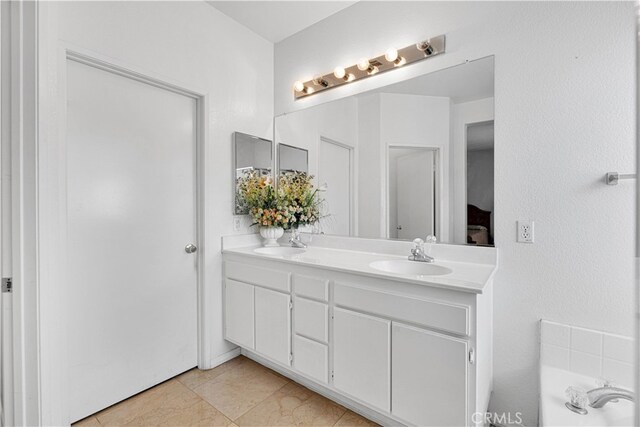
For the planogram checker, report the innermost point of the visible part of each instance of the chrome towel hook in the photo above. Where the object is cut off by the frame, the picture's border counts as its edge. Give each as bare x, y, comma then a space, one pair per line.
612, 178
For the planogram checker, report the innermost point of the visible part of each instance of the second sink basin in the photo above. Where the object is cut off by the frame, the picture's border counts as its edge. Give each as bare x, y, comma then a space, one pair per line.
280, 251
410, 267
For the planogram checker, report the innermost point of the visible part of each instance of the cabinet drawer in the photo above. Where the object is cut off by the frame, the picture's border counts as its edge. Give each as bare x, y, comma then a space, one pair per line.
443, 316
266, 277
311, 319
311, 358
311, 287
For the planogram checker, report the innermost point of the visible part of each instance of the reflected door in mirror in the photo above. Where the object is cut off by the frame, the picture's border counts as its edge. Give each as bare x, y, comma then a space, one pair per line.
411, 193
334, 170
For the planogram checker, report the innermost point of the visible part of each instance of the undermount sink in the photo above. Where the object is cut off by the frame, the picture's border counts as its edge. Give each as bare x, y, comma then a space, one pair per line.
410, 267
280, 251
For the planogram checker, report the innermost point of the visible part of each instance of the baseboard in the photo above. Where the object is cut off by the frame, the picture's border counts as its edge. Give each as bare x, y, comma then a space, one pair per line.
356, 407
224, 357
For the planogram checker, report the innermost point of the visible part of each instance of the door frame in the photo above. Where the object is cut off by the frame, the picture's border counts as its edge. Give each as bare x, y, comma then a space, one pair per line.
51, 194
465, 153
353, 202
438, 182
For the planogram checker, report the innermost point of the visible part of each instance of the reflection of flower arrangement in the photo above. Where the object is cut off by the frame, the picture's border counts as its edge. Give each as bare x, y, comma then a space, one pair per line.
295, 202
295, 190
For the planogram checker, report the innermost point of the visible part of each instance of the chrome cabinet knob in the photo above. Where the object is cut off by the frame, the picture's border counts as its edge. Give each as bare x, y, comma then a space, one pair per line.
190, 248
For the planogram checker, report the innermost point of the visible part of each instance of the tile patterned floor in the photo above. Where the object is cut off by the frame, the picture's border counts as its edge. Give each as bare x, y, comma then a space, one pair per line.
237, 393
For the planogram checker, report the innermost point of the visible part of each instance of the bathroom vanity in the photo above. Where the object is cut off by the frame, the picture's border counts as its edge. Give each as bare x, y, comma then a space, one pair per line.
401, 342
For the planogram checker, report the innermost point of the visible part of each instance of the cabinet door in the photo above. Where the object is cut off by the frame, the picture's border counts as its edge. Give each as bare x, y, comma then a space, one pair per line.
429, 384
238, 313
273, 325
361, 359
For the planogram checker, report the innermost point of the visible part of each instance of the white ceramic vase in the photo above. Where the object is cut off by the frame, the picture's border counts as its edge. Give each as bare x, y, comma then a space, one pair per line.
271, 235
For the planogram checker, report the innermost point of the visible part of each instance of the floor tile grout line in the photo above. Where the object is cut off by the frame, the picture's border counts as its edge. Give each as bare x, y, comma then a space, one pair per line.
258, 403
216, 409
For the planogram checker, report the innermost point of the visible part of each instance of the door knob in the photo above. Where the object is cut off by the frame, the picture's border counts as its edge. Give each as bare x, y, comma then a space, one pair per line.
190, 248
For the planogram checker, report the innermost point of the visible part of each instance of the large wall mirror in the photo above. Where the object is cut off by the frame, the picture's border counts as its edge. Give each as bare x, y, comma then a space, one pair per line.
250, 154
407, 160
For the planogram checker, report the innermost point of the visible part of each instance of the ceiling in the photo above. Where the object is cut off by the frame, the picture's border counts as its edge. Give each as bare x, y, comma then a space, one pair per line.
277, 20
462, 83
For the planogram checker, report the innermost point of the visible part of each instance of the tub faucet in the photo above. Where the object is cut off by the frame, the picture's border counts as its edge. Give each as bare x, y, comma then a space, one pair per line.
295, 239
598, 397
418, 253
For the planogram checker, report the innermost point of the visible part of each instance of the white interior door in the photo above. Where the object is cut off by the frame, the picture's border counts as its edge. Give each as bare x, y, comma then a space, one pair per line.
415, 208
131, 206
334, 169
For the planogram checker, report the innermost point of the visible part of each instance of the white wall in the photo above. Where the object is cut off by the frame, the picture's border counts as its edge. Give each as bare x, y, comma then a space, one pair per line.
564, 115
195, 46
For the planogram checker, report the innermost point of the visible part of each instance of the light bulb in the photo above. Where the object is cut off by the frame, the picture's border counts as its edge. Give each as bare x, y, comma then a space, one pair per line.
309, 90
373, 70
349, 77
298, 86
391, 55
363, 64
339, 72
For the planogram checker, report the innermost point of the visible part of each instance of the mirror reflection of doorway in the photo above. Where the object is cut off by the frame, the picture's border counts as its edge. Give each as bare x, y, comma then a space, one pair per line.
335, 170
412, 192
480, 205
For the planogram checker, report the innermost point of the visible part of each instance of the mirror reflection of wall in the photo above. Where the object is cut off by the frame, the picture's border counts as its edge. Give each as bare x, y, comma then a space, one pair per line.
355, 146
250, 154
480, 163
292, 159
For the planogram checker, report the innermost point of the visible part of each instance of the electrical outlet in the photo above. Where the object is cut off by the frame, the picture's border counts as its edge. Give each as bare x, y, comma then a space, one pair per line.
525, 231
236, 223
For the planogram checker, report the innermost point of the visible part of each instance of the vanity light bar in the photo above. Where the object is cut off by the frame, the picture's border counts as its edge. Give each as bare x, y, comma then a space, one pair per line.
368, 67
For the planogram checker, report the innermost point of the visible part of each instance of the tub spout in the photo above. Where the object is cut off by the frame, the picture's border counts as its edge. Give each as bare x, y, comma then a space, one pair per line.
598, 397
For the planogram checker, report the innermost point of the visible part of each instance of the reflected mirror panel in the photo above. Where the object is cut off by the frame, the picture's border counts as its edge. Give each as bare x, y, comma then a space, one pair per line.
250, 155
407, 160
292, 159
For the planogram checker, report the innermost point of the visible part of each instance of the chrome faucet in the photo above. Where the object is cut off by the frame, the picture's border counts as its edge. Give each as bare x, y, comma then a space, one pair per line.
418, 253
598, 397
295, 239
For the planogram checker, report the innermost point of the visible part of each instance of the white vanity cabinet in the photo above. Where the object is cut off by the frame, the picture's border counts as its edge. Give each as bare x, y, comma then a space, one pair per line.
398, 352
257, 310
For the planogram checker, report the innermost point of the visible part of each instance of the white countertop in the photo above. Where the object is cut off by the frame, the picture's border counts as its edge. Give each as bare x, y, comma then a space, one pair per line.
466, 276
